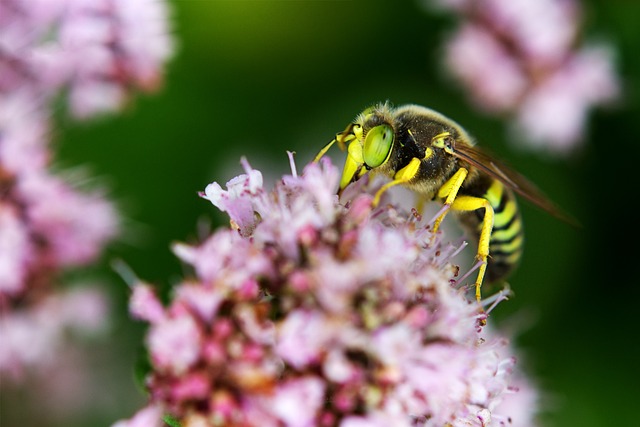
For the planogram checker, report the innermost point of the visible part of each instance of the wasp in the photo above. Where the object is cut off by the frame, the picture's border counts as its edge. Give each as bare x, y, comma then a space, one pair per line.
436, 158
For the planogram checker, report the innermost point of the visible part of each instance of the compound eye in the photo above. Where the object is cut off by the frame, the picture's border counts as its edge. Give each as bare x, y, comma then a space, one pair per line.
377, 145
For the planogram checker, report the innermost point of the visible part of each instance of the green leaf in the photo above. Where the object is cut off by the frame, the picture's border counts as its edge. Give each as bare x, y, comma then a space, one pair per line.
170, 421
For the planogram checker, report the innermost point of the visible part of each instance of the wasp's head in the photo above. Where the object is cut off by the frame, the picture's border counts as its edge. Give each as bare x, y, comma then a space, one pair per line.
369, 142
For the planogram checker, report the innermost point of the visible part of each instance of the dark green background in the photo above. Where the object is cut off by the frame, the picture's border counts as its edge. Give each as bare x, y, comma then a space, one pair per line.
256, 78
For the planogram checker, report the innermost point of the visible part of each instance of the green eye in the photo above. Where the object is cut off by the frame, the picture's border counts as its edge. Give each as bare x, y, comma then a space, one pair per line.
377, 145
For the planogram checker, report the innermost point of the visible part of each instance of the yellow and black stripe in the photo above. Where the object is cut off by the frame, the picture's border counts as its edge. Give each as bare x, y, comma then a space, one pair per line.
507, 237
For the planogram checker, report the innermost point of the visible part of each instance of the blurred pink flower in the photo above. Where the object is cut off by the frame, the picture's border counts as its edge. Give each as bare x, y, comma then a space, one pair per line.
99, 49
46, 225
308, 312
150, 416
35, 337
15, 251
481, 62
523, 59
24, 128
74, 225
95, 53
557, 108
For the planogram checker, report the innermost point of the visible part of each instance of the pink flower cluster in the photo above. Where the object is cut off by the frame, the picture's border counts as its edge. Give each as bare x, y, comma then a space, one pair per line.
96, 52
307, 312
99, 50
522, 58
35, 337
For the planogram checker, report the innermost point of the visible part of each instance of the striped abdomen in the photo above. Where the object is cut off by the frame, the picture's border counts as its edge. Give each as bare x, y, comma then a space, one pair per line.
507, 237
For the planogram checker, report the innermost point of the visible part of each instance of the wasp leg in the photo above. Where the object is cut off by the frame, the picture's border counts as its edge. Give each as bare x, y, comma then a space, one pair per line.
420, 203
469, 203
449, 191
403, 176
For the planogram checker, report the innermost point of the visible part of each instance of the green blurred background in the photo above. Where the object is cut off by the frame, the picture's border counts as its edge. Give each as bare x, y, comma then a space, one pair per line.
257, 78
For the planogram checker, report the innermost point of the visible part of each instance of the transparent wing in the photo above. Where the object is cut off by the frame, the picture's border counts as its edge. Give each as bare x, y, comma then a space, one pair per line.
510, 178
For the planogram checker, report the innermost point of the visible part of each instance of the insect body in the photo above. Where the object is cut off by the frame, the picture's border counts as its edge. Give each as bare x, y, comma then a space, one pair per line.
436, 158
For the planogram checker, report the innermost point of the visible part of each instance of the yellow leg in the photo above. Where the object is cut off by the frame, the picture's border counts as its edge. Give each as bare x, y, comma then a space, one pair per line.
404, 175
469, 203
420, 203
449, 191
